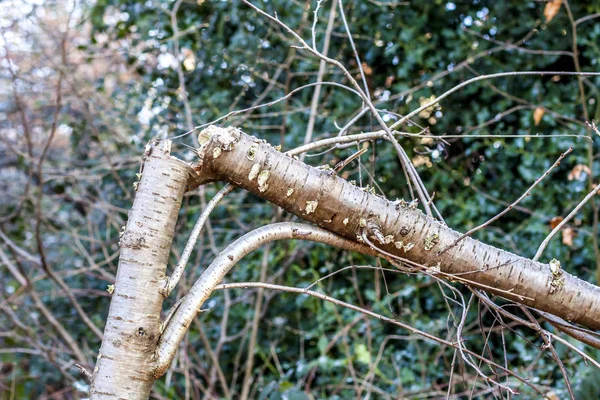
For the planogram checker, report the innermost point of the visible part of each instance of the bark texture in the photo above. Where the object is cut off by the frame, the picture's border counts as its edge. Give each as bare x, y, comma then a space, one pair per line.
321, 197
126, 360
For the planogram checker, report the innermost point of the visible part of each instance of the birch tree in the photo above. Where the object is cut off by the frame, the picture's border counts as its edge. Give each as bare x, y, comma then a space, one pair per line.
351, 217
352, 199
137, 349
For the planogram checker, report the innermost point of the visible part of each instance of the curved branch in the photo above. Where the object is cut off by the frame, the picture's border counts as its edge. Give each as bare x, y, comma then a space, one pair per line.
583, 335
178, 325
171, 281
480, 78
269, 104
558, 227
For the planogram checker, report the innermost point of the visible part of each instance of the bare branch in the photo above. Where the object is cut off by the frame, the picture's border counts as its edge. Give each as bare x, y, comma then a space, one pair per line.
562, 223
480, 78
510, 207
220, 266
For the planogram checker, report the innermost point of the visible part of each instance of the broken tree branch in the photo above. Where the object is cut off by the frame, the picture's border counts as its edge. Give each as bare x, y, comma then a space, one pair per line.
329, 201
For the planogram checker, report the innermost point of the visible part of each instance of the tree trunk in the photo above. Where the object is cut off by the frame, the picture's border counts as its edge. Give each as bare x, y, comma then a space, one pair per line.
126, 362
321, 197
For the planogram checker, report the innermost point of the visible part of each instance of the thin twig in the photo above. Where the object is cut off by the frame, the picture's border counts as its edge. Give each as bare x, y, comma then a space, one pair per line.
480, 78
236, 112
171, 282
322, 66
245, 285
354, 51
510, 207
562, 223
405, 160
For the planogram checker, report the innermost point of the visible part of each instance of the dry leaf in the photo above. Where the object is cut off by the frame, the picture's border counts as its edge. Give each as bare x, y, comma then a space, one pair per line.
552, 395
551, 9
555, 221
567, 236
422, 160
537, 115
367, 70
577, 171
389, 80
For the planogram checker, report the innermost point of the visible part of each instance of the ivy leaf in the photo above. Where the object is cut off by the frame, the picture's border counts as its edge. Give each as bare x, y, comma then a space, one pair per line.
362, 354
322, 344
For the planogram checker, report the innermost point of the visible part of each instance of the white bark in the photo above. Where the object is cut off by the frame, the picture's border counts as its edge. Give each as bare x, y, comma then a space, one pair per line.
134, 352
179, 324
126, 362
327, 200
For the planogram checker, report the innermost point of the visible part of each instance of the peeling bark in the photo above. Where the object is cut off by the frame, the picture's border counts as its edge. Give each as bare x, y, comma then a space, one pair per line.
126, 360
321, 197
133, 352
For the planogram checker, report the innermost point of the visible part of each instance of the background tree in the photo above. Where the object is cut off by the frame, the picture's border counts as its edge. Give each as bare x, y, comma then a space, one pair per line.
158, 69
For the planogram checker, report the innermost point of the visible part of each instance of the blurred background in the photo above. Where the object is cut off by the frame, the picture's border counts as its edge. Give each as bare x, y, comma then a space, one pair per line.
85, 85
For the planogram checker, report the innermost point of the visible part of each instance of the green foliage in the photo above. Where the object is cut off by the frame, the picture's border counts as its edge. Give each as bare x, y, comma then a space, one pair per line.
307, 348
